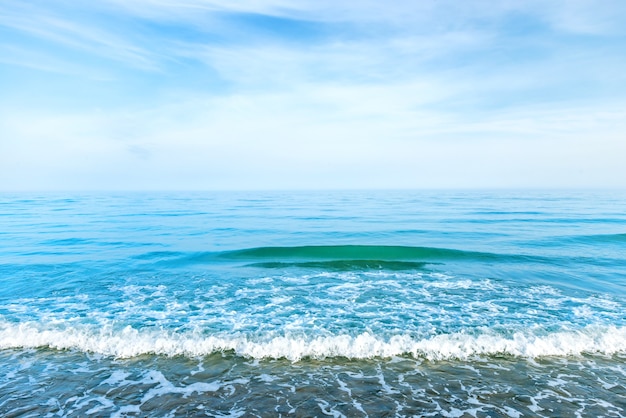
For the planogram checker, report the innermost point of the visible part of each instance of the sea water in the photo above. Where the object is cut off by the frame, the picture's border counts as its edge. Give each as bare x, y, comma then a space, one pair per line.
403, 303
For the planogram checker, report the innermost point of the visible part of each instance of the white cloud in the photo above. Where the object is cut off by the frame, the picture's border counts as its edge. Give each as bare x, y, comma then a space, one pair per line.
315, 139
581, 16
67, 31
441, 97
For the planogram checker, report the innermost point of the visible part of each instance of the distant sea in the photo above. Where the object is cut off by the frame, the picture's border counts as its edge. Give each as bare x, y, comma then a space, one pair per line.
278, 304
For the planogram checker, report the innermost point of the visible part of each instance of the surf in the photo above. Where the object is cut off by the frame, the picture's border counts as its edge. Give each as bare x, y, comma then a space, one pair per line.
129, 342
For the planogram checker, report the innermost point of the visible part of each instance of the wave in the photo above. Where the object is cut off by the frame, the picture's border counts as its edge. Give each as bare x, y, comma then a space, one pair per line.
362, 256
332, 257
353, 252
130, 342
601, 238
346, 265
337, 257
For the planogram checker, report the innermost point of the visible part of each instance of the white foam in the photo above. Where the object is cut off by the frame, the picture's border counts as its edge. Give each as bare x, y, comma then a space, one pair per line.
583, 311
117, 377
166, 387
131, 342
266, 378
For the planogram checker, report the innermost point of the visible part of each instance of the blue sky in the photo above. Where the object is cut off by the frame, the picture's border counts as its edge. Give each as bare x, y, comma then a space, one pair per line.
276, 94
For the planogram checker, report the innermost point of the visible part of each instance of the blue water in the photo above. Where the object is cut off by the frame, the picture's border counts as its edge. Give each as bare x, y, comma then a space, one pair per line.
404, 303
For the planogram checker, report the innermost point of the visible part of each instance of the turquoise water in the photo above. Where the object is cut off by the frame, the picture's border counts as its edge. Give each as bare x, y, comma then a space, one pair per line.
407, 303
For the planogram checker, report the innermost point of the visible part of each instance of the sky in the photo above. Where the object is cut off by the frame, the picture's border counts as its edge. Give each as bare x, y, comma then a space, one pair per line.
312, 94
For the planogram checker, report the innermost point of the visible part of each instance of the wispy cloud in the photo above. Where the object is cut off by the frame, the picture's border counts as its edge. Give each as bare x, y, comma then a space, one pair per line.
59, 30
274, 93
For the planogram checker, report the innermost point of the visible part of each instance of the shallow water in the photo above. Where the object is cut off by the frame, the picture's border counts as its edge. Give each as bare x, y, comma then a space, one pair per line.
313, 304
229, 385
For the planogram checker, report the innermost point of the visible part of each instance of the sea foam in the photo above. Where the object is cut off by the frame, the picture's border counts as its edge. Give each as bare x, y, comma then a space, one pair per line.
130, 342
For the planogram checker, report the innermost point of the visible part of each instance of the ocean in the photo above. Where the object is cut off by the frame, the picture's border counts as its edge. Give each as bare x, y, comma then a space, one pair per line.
342, 303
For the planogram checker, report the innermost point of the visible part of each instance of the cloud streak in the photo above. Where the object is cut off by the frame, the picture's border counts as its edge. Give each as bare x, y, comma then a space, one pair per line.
279, 94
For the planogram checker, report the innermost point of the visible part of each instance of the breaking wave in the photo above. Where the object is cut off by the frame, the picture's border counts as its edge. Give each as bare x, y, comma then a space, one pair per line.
130, 342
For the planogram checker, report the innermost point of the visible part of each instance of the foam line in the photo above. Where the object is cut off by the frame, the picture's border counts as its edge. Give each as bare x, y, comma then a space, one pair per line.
130, 342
